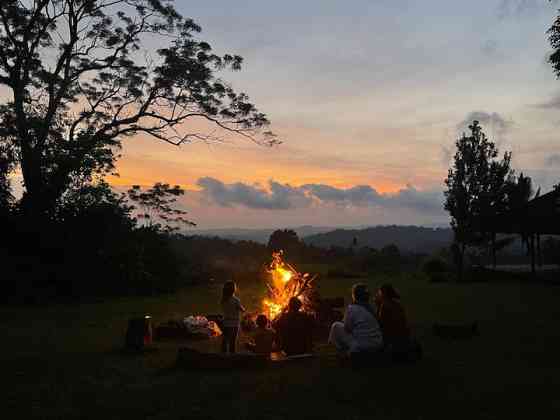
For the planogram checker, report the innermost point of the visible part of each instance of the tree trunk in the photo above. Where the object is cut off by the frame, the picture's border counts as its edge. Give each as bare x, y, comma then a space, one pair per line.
494, 251
39, 198
462, 262
539, 254
533, 268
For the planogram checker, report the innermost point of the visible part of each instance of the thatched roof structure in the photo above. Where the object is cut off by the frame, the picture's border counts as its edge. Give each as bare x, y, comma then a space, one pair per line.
540, 216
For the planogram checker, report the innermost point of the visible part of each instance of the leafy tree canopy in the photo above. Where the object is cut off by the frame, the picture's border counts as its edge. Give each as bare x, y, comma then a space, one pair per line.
82, 77
157, 206
285, 240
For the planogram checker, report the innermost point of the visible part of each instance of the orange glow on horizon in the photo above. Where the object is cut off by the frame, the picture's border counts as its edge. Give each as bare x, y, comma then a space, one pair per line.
140, 175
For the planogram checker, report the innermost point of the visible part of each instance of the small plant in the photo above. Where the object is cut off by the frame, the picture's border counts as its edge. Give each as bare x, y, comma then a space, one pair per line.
436, 269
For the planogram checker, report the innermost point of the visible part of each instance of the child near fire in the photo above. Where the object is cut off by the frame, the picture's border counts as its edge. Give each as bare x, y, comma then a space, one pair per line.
232, 308
263, 340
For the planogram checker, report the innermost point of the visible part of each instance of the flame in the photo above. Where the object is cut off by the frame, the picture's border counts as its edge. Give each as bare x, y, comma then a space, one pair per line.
285, 283
286, 275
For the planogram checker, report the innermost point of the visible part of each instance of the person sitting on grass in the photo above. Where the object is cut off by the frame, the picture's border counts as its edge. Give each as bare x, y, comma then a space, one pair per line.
232, 308
360, 331
394, 323
263, 340
295, 330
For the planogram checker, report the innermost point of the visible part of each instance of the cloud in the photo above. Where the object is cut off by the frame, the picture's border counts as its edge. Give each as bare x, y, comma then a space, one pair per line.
279, 197
410, 197
553, 160
359, 195
493, 124
552, 103
284, 196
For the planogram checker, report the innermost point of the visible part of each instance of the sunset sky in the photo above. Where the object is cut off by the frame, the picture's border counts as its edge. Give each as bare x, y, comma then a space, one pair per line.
368, 97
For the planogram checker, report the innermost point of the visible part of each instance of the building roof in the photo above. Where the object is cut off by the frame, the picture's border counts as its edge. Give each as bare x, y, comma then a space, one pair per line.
539, 215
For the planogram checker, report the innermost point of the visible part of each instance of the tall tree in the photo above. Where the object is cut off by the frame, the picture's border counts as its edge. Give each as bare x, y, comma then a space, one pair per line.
286, 240
81, 78
476, 191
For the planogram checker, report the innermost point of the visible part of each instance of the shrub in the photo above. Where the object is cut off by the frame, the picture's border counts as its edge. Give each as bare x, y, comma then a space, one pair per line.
436, 269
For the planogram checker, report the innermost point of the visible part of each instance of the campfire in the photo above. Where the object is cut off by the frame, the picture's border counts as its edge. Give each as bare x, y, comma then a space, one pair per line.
284, 283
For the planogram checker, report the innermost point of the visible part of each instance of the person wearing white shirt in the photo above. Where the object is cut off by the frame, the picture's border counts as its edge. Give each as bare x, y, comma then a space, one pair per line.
360, 331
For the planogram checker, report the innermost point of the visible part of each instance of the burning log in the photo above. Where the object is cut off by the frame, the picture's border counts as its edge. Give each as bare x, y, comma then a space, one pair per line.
285, 283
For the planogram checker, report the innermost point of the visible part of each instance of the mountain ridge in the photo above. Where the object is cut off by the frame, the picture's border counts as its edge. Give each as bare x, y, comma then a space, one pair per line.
410, 238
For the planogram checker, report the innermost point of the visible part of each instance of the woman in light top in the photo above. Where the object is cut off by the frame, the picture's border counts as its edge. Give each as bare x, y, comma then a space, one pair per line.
360, 331
232, 308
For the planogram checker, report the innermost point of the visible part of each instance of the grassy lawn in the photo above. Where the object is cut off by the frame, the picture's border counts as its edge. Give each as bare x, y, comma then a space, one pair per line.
64, 361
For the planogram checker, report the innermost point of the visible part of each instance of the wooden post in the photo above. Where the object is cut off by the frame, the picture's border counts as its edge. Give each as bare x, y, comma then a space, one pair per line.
494, 250
533, 270
539, 254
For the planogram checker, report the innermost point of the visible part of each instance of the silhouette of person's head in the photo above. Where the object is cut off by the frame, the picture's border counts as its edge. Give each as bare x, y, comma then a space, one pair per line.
262, 321
228, 291
360, 293
294, 305
389, 292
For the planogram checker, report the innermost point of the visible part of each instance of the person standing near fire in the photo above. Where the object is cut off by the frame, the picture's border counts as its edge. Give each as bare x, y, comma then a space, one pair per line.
232, 309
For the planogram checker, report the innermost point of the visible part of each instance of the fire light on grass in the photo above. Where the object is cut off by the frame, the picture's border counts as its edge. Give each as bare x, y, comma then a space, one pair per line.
283, 284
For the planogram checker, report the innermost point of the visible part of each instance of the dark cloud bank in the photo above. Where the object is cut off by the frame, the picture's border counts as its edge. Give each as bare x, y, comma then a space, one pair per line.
284, 196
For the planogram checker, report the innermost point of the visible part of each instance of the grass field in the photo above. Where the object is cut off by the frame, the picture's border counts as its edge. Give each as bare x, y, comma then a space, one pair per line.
64, 361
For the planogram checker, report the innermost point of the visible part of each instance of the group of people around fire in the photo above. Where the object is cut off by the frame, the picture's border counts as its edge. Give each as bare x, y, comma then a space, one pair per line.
368, 327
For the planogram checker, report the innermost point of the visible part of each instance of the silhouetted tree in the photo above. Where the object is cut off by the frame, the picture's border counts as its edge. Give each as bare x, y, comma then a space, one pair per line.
81, 79
554, 39
285, 240
519, 192
476, 189
157, 206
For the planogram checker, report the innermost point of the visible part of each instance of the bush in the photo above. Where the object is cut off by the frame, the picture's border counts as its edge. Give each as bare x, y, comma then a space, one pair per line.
436, 269
434, 265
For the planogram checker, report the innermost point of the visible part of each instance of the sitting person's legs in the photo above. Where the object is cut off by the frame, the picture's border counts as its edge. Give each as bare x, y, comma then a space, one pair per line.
339, 337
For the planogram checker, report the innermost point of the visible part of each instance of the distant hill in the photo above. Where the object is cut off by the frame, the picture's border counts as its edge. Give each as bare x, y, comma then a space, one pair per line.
256, 235
407, 238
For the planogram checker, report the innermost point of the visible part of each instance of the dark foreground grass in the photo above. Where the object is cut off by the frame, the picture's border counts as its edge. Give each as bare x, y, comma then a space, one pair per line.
65, 362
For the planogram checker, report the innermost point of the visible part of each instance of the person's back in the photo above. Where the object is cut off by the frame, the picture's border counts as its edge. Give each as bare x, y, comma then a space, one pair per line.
264, 340
295, 331
231, 309
364, 328
394, 324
